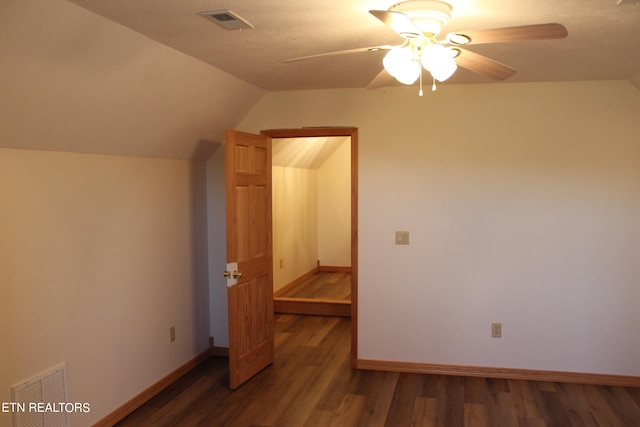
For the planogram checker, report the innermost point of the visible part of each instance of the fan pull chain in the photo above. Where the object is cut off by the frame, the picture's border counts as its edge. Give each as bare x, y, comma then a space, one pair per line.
433, 88
420, 93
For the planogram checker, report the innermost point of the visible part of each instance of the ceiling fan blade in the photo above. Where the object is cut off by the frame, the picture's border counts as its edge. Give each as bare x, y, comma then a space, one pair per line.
515, 34
484, 66
341, 52
381, 80
399, 22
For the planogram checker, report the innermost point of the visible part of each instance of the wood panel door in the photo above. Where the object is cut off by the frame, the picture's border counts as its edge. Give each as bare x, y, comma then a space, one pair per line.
250, 292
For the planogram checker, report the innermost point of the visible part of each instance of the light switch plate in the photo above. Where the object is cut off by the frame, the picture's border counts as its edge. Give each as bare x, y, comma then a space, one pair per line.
402, 237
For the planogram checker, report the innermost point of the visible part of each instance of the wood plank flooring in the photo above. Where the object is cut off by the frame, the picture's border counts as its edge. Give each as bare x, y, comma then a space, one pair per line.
311, 384
327, 285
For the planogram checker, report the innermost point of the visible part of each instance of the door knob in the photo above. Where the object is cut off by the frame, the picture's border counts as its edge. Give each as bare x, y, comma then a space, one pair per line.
236, 274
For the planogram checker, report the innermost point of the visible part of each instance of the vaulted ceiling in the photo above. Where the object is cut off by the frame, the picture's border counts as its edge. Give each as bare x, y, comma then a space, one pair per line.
603, 42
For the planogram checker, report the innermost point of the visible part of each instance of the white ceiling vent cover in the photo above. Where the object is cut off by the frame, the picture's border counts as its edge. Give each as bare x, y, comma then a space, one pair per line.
50, 387
227, 20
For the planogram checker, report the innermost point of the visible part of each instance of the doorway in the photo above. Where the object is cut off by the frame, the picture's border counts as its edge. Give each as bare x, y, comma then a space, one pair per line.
335, 307
311, 207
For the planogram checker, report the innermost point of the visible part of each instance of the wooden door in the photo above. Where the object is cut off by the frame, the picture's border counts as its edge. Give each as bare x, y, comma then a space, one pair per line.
250, 300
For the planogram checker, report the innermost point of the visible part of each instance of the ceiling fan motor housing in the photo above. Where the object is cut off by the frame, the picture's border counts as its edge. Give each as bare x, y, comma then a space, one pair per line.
429, 15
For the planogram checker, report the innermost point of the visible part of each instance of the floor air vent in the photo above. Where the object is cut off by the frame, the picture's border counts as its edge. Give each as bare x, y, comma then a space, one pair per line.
38, 400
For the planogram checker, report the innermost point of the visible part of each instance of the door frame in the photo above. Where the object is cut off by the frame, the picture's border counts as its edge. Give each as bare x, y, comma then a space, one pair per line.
351, 132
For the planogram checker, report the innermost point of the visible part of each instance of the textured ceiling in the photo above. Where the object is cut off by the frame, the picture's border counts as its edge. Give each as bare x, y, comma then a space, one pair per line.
603, 42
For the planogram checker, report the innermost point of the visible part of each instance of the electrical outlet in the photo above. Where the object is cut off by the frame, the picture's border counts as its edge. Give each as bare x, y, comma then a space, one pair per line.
402, 237
496, 330
172, 334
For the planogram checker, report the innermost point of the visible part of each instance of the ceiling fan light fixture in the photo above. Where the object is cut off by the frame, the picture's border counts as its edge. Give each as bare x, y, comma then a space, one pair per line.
428, 15
458, 39
443, 70
439, 61
401, 64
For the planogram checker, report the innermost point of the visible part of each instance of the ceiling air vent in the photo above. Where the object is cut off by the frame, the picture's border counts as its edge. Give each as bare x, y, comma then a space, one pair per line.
227, 20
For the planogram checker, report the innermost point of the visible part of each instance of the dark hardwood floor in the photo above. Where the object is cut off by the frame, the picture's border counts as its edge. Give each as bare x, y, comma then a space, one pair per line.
323, 285
311, 384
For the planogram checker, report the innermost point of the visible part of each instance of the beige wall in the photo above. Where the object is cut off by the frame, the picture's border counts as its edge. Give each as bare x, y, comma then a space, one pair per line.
99, 257
295, 223
522, 201
334, 208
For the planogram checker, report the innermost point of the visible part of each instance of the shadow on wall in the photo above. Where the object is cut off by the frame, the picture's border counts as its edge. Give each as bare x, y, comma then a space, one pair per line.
202, 152
204, 149
216, 235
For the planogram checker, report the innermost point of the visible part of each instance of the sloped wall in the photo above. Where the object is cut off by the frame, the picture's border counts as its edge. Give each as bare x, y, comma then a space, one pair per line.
74, 81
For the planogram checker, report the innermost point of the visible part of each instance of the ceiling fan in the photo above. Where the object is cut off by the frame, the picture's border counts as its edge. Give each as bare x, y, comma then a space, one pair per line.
419, 22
